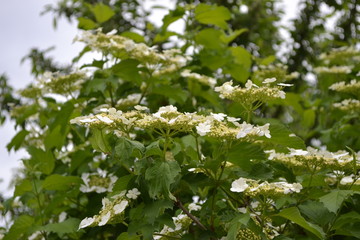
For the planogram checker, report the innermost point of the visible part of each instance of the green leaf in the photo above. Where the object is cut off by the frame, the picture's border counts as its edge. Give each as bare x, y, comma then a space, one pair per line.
174, 92
43, 161
126, 236
128, 70
294, 215
122, 183
308, 118
70, 225
351, 230
20, 227
333, 201
241, 56
209, 38
102, 12
160, 176
134, 36
212, 14
317, 212
100, 140
345, 219
86, 23
61, 183
239, 67
124, 150
153, 149
243, 153
17, 140
54, 138
162, 37
282, 137
229, 38
62, 118
157, 208
266, 61
24, 186
213, 58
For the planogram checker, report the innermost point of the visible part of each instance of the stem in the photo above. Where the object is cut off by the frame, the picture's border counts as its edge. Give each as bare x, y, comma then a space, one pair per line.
144, 92
40, 209
111, 95
181, 206
163, 235
198, 148
166, 143
249, 113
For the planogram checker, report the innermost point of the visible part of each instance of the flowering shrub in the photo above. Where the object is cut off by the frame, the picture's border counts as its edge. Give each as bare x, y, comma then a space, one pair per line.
157, 144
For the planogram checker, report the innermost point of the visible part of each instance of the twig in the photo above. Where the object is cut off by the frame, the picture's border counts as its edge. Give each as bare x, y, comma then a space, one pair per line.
181, 206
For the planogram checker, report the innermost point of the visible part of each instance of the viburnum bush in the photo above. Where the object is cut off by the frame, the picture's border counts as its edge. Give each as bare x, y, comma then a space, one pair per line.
206, 141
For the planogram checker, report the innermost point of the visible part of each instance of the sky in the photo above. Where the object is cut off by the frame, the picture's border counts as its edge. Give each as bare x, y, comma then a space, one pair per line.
22, 28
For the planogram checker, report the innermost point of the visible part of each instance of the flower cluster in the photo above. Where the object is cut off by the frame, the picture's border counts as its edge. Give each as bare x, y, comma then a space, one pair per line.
340, 177
342, 55
348, 105
97, 182
251, 93
352, 87
168, 119
55, 83
253, 188
314, 159
123, 48
112, 210
279, 71
181, 222
333, 70
198, 77
256, 209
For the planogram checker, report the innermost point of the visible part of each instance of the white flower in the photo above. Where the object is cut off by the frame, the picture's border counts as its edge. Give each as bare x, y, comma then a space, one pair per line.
203, 128
269, 80
226, 88
104, 219
245, 129
296, 187
133, 194
141, 108
218, 116
119, 208
264, 130
254, 204
346, 180
239, 185
194, 207
165, 109
129, 45
87, 120
86, 222
248, 84
242, 210
285, 84
297, 152
104, 119
62, 216
105, 202
282, 94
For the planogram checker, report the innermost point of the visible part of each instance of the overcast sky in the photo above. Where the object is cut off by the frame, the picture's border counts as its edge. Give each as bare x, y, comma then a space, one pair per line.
22, 28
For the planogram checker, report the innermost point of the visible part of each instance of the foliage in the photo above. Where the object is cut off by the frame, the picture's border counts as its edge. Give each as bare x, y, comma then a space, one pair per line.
208, 140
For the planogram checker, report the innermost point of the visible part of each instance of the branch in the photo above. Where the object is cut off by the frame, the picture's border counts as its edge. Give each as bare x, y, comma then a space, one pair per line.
181, 206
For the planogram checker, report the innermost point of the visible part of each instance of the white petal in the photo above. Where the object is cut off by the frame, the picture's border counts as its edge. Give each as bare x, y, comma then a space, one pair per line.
119, 208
